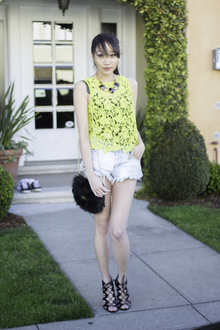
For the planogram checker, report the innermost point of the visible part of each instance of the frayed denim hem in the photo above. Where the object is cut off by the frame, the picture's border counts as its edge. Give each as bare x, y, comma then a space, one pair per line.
125, 178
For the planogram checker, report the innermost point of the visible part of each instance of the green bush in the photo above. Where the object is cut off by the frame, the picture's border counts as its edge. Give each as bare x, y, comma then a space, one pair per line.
179, 165
165, 44
6, 191
214, 180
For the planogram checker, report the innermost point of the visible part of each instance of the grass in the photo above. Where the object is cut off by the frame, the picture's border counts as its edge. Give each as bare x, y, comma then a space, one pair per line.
200, 222
33, 289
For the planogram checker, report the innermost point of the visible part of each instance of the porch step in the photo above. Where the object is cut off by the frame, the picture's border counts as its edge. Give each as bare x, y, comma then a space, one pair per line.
47, 195
55, 188
47, 168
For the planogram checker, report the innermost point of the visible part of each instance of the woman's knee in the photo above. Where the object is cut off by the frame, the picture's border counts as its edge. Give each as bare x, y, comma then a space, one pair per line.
117, 232
102, 227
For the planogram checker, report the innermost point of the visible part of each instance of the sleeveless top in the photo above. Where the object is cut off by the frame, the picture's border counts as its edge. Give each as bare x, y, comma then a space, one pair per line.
113, 116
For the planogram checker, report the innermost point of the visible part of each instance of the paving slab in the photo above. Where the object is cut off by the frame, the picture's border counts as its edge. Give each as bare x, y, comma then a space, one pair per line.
210, 310
35, 209
147, 290
193, 272
177, 318
149, 233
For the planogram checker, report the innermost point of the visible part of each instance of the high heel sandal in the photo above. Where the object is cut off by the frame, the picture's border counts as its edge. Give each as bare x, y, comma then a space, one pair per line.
123, 297
109, 300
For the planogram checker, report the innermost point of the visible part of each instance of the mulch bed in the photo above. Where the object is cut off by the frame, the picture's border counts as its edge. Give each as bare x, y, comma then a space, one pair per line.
210, 201
11, 220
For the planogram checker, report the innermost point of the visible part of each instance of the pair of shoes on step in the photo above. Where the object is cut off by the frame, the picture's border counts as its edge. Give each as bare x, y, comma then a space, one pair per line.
109, 300
28, 185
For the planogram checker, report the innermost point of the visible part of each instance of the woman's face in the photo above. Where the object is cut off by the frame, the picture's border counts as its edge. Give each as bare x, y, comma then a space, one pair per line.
105, 63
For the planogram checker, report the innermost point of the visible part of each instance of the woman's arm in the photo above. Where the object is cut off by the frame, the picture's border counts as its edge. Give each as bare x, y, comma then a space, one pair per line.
138, 151
81, 99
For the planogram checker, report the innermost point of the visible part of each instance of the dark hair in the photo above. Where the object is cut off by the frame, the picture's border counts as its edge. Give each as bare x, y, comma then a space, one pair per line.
101, 40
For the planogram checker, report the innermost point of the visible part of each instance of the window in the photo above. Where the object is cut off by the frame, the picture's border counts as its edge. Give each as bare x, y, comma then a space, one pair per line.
53, 71
109, 27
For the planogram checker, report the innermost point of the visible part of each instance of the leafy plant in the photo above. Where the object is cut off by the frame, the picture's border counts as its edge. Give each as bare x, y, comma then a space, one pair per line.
214, 180
179, 165
12, 120
166, 72
140, 117
16, 146
6, 191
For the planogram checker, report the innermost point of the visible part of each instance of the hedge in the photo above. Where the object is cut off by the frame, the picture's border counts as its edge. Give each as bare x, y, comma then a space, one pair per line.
166, 72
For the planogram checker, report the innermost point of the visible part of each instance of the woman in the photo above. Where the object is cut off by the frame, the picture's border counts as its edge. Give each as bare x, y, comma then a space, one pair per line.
110, 143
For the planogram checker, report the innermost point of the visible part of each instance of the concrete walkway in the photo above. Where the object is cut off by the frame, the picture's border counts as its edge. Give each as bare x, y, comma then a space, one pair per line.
173, 279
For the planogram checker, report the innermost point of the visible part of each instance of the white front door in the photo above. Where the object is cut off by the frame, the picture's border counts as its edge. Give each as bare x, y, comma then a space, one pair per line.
53, 57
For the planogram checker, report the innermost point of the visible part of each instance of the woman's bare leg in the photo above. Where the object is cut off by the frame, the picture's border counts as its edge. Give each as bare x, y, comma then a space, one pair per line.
101, 239
101, 242
122, 195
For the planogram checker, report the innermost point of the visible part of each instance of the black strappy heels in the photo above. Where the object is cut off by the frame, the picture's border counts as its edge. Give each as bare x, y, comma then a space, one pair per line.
123, 297
109, 300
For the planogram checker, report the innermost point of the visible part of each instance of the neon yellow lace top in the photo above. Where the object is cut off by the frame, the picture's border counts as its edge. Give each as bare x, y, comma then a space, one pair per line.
113, 115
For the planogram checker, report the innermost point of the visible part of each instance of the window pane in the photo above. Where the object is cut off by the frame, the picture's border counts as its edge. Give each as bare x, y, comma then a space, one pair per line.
110, 27
64, 75
43, 75
64, 96
41, 30
42, 53
43, 97
65, 119
44, 120
63, 31
64, 53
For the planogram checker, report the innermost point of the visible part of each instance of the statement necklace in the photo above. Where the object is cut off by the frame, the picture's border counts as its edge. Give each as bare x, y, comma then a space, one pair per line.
106, 89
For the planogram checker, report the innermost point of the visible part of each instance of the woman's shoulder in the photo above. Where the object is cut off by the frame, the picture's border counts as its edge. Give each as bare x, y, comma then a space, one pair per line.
80, 85
132, 81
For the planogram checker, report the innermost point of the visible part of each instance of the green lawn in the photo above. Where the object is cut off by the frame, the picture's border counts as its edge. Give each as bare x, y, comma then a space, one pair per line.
200, 222
33, 289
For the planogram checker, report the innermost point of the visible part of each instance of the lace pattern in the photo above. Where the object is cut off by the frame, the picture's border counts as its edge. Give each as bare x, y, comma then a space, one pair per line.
113, 115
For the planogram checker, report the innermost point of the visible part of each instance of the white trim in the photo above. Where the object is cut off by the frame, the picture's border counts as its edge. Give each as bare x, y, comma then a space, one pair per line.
3, 49
94, 24
129, 42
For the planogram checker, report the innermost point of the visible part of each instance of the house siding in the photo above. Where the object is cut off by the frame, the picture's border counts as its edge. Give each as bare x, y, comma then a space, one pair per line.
204, 82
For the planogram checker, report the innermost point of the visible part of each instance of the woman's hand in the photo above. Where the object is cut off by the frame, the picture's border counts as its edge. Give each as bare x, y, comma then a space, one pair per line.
138, 151
99, 189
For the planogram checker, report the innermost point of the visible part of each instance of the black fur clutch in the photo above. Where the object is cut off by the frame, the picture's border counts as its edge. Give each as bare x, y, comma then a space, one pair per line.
84, 196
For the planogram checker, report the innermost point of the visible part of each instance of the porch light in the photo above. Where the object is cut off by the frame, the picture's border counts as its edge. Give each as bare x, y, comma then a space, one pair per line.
63, 5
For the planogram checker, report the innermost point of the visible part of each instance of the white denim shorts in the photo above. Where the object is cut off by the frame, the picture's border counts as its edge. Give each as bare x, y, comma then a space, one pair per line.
115, 165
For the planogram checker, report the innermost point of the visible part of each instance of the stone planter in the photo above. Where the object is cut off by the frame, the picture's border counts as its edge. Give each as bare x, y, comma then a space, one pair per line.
10, 166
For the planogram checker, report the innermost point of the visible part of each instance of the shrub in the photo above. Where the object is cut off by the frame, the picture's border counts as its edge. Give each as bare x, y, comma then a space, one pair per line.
179, 165
6, 191
165, 44
140, 123
214, 180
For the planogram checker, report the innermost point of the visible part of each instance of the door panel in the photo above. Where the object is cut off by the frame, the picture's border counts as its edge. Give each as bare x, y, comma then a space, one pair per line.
54, 57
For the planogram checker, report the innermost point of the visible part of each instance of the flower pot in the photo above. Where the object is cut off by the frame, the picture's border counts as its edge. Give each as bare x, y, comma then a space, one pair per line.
11, 166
